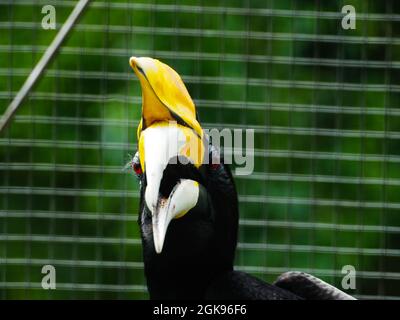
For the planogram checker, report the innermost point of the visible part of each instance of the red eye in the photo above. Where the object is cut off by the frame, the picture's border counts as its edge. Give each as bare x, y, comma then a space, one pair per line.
137, 168
215, 166
215, 160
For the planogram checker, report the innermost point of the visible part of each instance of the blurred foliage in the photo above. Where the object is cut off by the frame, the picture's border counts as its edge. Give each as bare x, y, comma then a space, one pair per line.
325, 189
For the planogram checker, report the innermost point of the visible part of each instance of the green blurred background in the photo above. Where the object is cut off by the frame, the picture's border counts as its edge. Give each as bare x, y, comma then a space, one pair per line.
323, 102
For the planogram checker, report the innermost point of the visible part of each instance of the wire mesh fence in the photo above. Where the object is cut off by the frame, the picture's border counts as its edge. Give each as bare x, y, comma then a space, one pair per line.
323, 102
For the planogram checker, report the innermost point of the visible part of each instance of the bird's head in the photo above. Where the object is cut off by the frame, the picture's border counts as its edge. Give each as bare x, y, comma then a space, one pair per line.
171, 147
164, 95
171, 157
180, 197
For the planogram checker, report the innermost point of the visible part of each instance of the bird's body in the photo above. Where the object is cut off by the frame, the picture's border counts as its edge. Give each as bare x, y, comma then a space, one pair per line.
199, 248
188, 213
236, 285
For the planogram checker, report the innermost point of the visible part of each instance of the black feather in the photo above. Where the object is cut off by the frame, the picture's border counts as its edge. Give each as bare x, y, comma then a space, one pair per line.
309, 287
199, 248
237, 285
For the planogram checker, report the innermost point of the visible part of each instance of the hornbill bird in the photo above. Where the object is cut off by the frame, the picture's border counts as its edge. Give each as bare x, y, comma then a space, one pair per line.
188, 211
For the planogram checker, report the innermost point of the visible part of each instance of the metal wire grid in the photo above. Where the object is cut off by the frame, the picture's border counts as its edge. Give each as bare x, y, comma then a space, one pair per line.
323, 103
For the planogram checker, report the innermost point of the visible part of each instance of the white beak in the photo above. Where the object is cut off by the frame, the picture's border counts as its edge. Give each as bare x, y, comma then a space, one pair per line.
183, 197
160, 145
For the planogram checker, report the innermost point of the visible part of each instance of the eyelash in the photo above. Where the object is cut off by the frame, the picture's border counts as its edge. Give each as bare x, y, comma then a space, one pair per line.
135, 165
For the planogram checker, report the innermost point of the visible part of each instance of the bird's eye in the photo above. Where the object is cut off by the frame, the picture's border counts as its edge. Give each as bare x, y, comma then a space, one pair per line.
135, 164
215, 159
137, 168
215, 166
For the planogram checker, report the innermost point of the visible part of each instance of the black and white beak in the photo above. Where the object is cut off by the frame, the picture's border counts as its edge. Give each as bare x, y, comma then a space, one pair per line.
159, 144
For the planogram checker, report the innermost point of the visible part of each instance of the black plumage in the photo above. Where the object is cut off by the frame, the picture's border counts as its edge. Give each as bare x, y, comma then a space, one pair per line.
200, 246
198, 255
188, 213
236, 285
309, 287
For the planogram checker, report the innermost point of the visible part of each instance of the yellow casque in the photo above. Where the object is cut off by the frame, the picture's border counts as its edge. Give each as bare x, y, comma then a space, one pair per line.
165, 98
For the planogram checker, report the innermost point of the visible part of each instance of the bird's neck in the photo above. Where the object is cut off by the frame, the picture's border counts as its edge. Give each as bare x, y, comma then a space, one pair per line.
188, 280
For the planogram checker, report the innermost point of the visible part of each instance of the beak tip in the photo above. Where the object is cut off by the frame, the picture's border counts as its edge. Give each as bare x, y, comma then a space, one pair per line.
158, 237
132, 61
158, 250
158, 246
